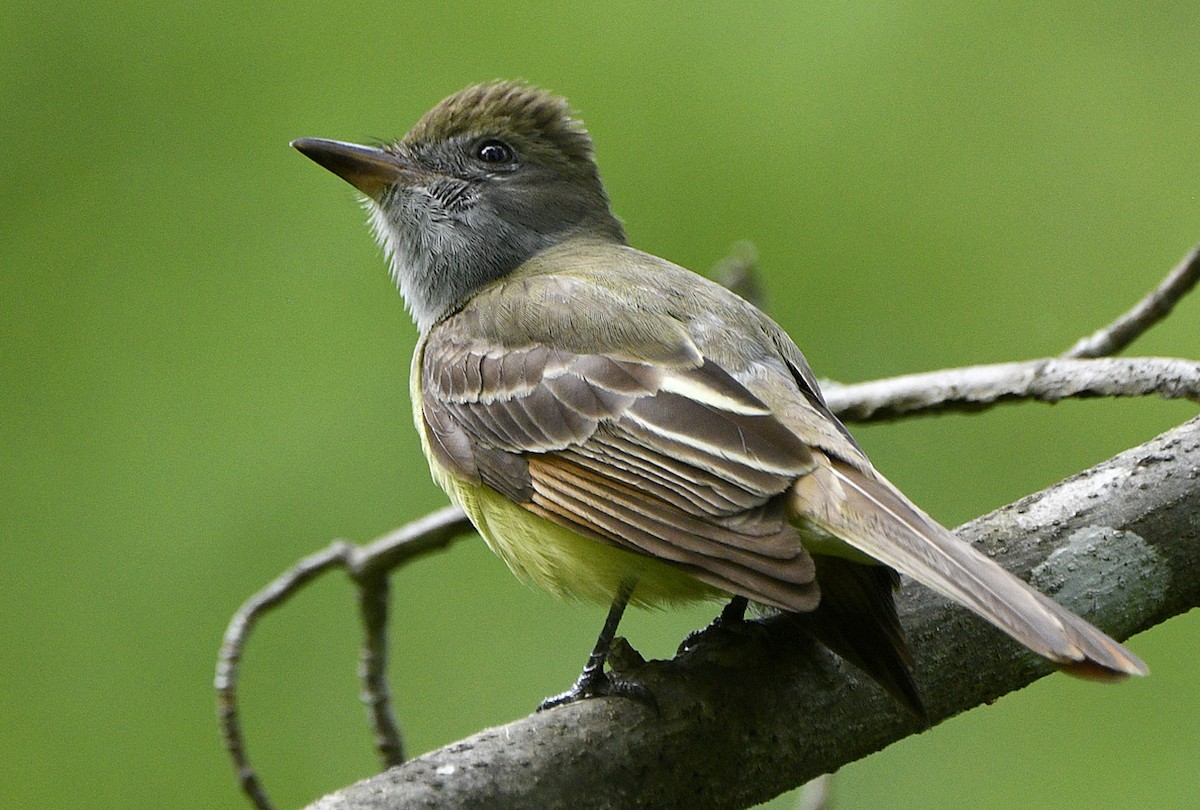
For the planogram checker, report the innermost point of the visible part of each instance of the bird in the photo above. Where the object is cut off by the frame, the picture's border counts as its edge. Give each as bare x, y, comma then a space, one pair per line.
623, 431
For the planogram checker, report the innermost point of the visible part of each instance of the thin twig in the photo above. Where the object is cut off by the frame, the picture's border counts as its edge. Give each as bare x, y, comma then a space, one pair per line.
976, 388
373, 603
738, 272
1147, 312
226, 681
368, 567
430, 533
815, 794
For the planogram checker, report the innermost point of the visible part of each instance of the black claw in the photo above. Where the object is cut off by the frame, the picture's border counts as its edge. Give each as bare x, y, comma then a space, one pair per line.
601, 684
620, 687
561, 699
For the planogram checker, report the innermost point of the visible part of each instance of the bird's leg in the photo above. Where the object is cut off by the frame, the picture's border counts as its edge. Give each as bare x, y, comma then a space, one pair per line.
733, 617
594, 681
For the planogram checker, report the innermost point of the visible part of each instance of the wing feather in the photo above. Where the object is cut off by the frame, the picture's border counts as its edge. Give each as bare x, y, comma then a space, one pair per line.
616, 513
688, 488
591, 442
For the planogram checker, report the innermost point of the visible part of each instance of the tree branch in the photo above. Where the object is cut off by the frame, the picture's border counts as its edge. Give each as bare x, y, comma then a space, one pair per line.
369, 567
976, 388
1157, 305
745, 717
979, 387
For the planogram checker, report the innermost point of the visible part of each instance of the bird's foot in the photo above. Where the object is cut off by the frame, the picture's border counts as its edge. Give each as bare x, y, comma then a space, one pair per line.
732, 620
595, 682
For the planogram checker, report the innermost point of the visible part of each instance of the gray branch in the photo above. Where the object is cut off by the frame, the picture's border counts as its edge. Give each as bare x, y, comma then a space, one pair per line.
1156, 305
975, 388
745, 717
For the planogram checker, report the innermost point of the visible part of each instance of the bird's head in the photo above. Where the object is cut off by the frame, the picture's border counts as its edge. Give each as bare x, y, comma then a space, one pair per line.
491, 176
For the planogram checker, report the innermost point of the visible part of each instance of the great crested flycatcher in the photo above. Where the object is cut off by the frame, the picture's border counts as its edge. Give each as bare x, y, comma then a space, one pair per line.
622, 430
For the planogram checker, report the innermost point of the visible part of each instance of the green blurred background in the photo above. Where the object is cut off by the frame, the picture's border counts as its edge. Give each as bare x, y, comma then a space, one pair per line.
204, 364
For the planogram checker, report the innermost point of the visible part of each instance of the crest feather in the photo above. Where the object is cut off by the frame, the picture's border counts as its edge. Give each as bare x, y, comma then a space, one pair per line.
506, 108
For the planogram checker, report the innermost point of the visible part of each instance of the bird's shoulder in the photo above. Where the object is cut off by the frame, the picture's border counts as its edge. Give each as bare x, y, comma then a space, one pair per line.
581, 298
593, 296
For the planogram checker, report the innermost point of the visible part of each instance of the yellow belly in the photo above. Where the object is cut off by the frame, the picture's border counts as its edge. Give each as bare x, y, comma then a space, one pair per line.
564, 562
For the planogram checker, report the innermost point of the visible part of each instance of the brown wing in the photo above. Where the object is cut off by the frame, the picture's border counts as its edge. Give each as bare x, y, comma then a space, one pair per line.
592, 442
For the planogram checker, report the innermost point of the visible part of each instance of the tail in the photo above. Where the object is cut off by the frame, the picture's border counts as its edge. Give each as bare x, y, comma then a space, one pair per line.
856, 618
867, 513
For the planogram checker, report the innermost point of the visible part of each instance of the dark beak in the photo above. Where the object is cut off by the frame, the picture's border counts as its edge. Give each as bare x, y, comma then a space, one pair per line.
370, 170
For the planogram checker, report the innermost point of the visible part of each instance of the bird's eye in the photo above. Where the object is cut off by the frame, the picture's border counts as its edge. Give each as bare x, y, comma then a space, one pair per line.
492, 150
